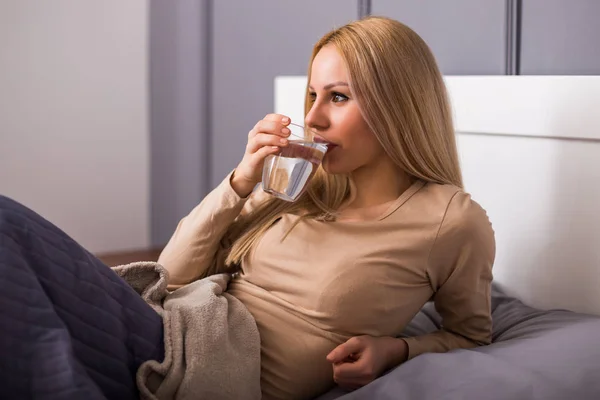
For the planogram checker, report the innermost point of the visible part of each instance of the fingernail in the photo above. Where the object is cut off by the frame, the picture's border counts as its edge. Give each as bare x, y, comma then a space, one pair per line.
285, 131
283, 141
285, 120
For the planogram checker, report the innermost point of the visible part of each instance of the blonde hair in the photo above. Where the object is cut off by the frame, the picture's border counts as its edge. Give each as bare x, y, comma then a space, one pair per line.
401, 93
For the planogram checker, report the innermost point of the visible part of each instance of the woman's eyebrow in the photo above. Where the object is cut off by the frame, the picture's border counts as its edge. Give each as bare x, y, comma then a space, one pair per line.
330, 85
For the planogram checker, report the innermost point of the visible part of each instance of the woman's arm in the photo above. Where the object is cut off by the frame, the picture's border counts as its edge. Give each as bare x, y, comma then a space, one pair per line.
199, 245
460, 271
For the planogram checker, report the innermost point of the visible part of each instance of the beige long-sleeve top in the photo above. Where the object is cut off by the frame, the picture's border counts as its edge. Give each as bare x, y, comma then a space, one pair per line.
329, 281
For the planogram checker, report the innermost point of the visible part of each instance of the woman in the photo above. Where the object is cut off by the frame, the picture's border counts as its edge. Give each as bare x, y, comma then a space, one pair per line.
385, 226
331, 279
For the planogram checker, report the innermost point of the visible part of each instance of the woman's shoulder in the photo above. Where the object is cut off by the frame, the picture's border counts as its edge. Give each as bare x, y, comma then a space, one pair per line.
455, 206
464, 232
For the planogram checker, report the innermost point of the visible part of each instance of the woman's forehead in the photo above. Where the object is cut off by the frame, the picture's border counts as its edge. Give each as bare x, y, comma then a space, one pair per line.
328, 67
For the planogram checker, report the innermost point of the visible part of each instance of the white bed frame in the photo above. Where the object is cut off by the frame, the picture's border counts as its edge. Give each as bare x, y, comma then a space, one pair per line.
530, 153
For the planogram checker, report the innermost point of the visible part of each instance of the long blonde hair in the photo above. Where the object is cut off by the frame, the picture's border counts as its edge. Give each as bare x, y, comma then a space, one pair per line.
401, 93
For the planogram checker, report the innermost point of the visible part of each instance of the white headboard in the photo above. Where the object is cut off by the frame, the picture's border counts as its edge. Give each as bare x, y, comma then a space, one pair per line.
530, 153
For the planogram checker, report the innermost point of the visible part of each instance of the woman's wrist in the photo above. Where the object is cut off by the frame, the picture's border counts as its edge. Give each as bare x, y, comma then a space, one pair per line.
397, 351
240, 186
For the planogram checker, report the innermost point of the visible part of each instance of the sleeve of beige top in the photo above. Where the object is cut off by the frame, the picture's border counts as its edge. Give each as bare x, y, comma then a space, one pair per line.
198, 246
460, 271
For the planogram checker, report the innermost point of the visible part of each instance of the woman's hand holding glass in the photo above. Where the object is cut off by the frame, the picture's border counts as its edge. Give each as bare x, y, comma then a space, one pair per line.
267, 137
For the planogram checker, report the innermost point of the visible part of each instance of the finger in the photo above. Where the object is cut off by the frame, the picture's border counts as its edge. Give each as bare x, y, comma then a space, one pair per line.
272, 127
263, 139
263, 152
349, 370
284, 119
344, 350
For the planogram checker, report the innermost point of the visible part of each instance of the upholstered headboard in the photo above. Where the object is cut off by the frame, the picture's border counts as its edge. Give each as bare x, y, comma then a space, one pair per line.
530, 153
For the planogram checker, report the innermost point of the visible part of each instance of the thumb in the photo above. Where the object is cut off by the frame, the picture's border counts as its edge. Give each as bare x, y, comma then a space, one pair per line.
344, 350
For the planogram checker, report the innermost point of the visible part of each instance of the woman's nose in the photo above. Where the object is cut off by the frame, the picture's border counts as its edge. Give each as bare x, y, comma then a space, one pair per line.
316, 118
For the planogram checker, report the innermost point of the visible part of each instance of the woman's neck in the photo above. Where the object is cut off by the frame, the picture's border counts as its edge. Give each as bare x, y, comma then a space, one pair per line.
378, 184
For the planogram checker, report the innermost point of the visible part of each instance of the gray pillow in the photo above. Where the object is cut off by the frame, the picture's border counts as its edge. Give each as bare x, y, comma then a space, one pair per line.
511, 318
535, 354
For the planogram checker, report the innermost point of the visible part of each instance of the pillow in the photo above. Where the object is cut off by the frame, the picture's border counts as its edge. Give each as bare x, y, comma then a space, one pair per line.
535, 354
511, 318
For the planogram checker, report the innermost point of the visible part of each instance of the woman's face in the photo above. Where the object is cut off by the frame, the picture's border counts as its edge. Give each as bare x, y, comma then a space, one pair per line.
336, 118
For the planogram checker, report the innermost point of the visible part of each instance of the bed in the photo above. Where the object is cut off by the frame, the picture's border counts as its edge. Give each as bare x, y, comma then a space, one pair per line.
530, 153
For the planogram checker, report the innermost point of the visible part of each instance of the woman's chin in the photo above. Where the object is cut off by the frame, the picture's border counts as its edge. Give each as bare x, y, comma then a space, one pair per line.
333, 168
327, 166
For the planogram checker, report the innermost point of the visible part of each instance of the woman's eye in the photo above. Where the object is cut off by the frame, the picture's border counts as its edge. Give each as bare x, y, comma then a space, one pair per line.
312, 96
338, 97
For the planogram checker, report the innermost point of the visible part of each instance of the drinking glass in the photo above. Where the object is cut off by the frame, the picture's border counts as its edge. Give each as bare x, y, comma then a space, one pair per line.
287, 173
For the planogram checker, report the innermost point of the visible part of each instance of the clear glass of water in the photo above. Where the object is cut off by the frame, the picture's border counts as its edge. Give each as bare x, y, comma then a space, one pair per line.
287, 173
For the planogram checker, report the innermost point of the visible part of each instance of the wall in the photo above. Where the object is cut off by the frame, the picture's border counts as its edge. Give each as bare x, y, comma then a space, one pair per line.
73, 116
467, 37
179, 67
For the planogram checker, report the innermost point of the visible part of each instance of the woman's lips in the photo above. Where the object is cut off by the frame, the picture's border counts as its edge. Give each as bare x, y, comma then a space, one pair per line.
330, 145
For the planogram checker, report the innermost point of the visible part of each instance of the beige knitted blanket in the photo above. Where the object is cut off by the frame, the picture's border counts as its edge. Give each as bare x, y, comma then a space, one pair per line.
212, 345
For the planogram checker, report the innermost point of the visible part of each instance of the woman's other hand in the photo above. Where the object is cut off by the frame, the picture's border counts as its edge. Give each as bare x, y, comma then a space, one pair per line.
362, 359
266, 138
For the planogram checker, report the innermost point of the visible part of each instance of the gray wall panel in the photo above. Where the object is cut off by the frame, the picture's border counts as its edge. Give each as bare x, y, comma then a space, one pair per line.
560, 37
178, 117
254, 41
466, 36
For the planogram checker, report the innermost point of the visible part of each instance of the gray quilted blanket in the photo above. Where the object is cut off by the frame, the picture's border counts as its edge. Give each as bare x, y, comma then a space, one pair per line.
70, 328
73, 328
